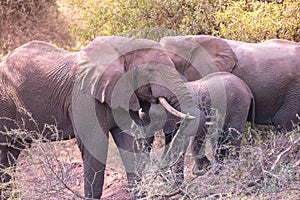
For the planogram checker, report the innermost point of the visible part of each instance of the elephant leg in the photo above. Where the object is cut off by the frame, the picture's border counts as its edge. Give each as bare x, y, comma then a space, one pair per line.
175, 149
233, 131
148, 144
198, 153
287, 115
93, 170
8, 157
178, 167
132, 157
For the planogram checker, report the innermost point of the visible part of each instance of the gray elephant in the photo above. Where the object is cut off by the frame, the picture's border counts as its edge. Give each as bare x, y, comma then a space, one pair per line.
86, 94
225, 93
271, 70
219, 91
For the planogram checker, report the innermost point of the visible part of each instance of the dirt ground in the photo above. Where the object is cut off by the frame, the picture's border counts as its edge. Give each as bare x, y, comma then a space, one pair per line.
60, 176
54, 171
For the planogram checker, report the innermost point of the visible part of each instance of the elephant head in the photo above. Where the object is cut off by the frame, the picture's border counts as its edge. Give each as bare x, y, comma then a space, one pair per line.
196, 56
125, 72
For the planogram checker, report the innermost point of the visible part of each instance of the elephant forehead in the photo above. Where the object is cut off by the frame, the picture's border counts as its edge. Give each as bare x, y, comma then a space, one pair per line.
104, 50
179, 45
153, 56
155, 71
121, 44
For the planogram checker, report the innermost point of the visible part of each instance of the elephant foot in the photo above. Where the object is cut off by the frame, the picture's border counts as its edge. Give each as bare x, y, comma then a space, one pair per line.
201, 166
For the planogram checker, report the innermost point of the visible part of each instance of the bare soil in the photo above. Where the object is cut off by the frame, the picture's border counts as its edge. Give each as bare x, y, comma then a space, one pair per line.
39, 177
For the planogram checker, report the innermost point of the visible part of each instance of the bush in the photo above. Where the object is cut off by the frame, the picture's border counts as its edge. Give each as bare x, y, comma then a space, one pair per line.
25, 20
48, 170
268, 169
245, 20
255, 21
143, 19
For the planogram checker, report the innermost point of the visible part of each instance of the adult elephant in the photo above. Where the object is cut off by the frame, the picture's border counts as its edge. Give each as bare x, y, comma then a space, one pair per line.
271, 69
85, 94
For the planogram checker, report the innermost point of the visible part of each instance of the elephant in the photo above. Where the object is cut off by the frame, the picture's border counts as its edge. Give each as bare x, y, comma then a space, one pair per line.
86, 94
271, 69
219, 91
222, 91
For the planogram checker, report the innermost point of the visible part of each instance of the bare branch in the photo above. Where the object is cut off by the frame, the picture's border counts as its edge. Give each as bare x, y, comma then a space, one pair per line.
284, 152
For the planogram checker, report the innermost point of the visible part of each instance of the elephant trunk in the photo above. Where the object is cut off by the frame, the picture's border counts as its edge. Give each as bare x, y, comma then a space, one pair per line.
180, 97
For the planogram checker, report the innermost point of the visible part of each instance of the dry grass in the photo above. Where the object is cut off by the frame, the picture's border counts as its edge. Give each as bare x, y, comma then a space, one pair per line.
267, 169
26, 20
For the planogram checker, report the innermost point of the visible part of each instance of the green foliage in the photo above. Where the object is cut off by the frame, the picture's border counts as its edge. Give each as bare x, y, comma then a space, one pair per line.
255, 21
245, 20
146, 19
55, 20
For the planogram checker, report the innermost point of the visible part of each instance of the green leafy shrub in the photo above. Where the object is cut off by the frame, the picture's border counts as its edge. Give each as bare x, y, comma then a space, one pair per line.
245, 20
146, 19
255, 21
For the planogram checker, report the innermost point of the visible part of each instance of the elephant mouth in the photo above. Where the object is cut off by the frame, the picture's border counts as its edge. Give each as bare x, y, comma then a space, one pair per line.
172, 110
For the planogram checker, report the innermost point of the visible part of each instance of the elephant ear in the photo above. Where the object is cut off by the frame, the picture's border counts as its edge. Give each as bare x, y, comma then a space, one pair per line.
197, 56
219, 50
101, 66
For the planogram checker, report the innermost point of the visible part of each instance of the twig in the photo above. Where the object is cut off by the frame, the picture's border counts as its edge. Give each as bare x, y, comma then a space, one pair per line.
296, 163
214, 195
271, 174
166, 196
179, 191
48, 164
284, 152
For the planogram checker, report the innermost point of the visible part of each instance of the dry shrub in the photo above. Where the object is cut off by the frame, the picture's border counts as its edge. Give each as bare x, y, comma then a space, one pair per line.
45, 169
25, 20
268, 169
50, 170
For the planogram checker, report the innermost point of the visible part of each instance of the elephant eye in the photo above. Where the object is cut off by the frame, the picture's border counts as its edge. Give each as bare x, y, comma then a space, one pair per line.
151, 71
145, 92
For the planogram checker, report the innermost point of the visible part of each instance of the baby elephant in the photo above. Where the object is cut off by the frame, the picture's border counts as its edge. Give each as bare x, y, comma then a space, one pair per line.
221, 91
233, 100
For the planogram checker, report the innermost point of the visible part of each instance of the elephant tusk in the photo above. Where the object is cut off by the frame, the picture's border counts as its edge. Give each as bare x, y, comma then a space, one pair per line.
209, 123
141, 113
173, 111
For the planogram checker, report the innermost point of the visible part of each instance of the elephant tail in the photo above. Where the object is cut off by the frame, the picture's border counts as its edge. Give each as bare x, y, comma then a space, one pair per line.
251, 114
